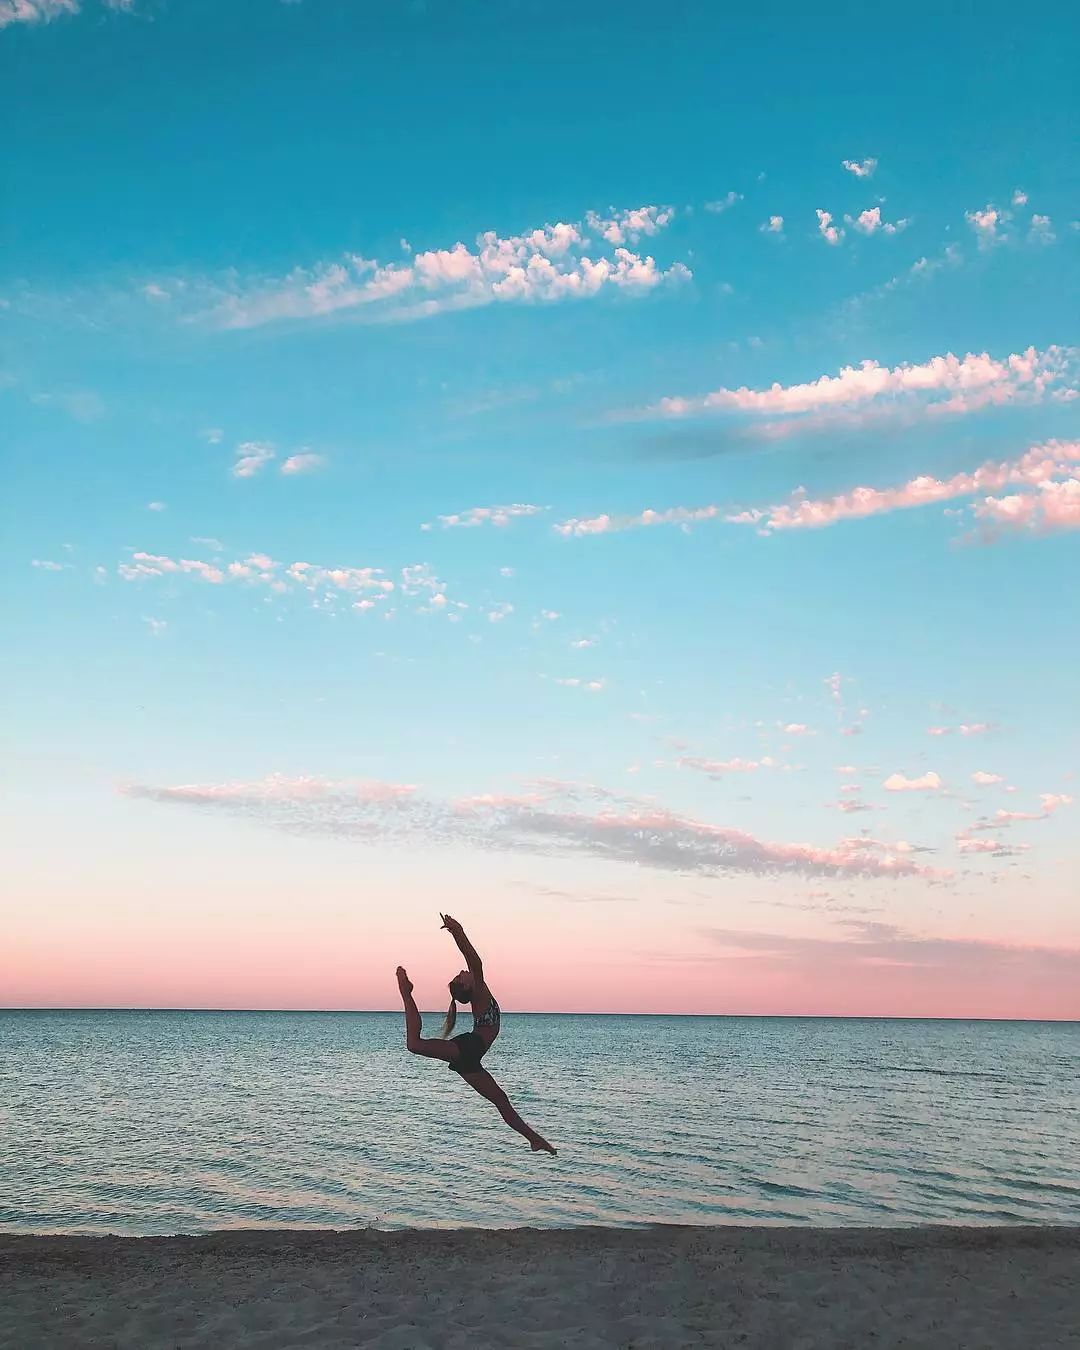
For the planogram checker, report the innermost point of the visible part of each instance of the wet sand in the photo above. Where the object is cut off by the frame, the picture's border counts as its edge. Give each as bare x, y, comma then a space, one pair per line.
773, 1289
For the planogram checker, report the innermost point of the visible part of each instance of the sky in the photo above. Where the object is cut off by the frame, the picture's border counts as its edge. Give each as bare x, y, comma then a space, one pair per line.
611, 473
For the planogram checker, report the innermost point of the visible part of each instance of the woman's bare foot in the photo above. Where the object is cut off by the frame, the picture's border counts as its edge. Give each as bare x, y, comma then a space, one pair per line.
403, 981
541, 1146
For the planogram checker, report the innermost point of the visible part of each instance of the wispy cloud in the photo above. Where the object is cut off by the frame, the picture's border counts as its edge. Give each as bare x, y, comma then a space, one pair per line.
486, 515
774, 225
251, 458
724, 203
722, 768
985, 779
35, 11
553, 262
546, 819
1001, 819
1041, 464
364, 588
677, 515
899, 960
44, 11
861, 168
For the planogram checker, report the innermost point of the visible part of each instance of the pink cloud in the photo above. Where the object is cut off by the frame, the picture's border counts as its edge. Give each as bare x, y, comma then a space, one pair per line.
946, 383
1040, 464
828, 231
861, 168
985, 779
549, 263
797, 729
1052, 506
302, 463
896, 782
870, 222
774, 225
618, 829
986, 223
1051, 802
880, 969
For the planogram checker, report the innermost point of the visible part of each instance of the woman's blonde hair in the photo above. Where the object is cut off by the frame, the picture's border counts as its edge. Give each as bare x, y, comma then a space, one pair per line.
451, 1019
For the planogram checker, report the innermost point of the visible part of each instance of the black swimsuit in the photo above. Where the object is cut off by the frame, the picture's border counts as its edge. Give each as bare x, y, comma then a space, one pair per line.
471, 1045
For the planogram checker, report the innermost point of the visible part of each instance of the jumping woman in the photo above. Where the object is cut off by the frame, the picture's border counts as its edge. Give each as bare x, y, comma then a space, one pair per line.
464, 1052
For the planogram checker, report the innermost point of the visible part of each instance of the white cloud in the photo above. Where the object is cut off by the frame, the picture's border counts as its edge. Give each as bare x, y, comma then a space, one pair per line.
590, 686
155, 506
35, 11
721, 768
896, 782
47, 565
487, 515
682, 516
1019, 197
985, 779
1041, 231
305, 462
774, 225
251, 458
156, 626
724, 203
863, 168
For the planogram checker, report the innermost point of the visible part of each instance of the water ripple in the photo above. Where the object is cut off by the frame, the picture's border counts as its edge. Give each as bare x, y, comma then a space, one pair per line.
183, 1122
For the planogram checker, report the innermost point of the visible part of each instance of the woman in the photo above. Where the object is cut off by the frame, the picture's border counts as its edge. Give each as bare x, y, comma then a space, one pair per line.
465, 1051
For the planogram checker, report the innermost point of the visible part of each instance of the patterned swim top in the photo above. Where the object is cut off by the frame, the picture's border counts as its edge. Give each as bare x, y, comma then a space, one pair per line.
491, 1017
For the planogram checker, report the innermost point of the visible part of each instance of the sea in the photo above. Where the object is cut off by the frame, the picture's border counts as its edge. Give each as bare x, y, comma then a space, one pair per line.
140, 1122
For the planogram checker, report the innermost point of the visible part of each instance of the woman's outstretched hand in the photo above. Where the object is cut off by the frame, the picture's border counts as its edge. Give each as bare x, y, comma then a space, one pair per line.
403, 981
450, 924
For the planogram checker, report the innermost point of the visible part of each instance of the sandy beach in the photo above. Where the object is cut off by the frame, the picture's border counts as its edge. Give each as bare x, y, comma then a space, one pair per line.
778, 1289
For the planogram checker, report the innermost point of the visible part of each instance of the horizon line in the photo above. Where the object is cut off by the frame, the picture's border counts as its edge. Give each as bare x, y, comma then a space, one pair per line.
390, 1012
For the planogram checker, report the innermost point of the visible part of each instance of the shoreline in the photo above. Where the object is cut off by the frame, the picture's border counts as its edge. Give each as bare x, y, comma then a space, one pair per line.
998, 1288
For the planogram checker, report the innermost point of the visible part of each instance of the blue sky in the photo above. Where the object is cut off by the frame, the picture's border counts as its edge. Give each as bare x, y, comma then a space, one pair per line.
345, 349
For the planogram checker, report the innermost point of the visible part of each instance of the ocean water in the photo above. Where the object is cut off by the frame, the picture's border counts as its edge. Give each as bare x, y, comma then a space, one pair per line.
166, 1122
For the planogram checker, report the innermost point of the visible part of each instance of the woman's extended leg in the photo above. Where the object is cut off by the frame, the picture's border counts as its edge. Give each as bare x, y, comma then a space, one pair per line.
414, 1042
487, 1087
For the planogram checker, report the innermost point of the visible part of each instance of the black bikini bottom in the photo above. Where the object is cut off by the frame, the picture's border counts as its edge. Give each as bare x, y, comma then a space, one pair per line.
471, 1049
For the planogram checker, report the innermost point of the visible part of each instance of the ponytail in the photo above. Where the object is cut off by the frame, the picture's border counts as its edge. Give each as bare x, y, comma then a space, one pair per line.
451, 1019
